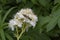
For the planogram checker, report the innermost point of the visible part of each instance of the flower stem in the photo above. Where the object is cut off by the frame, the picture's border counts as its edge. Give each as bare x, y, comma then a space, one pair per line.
21, 33
17, 33
17, 38
23, 30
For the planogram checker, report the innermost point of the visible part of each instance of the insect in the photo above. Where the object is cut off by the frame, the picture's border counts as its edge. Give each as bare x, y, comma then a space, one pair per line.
26, 16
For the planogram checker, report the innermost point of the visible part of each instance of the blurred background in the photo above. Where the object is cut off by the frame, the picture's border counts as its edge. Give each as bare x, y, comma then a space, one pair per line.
48, 25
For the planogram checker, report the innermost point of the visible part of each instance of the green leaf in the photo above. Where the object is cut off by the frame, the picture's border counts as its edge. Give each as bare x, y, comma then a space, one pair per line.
44, 2
8, 36
44, 20
56, 11
0, 15
0, 18
3, 1
59, 22
28, 5
54, 33
5, 16
2, 34
35, 35
24, 1
4, 25
56, 1
0, 38
52, 24
55, 16
18, 1
26, 38
44, 37
34, 1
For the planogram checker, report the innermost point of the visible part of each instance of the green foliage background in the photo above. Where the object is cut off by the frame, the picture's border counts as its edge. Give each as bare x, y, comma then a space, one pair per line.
48, 25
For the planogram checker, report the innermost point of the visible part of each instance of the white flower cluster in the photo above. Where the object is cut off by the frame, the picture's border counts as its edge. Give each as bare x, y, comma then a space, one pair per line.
24, 15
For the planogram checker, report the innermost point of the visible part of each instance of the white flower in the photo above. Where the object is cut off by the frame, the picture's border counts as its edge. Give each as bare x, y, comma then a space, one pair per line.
18, 16
14, 22
24, 15
28, 14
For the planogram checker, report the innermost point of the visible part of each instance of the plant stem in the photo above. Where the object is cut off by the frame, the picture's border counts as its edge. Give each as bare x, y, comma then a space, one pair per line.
17, 33
21, 33
23, 30
17, 38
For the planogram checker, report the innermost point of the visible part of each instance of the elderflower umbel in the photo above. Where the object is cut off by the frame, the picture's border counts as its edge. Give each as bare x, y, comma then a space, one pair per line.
24, 15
